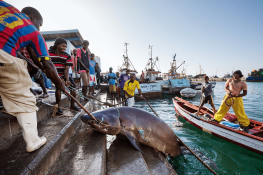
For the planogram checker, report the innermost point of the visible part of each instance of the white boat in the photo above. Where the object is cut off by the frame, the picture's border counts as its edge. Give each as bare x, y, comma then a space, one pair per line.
176, 82
152, 86
188, 93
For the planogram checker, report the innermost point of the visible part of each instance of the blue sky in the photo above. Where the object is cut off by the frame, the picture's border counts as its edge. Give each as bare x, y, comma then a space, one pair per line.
223, 35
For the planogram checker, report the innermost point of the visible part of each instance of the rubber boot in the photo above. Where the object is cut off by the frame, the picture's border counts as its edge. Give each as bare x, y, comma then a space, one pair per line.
28, 123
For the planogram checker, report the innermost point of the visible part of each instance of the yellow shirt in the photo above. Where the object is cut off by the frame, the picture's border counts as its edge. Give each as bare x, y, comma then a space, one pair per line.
130, 87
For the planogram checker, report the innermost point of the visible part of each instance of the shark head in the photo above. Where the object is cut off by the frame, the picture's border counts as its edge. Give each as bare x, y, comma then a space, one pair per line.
108, 121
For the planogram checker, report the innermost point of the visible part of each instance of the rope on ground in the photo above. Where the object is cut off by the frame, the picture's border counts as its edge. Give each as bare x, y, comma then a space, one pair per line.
55, 110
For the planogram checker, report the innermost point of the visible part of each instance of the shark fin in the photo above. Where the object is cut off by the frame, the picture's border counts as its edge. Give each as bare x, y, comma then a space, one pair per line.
136, 144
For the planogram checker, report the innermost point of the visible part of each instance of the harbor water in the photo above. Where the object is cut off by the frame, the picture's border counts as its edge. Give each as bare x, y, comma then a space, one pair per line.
224, 157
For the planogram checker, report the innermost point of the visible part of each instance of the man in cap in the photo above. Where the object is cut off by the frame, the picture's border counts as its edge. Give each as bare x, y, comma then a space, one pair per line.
112, 88
233, 88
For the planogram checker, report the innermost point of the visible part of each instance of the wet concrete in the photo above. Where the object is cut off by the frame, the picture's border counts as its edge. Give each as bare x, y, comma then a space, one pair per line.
156, 162
15, 159
9, 127
85, 153
124, 159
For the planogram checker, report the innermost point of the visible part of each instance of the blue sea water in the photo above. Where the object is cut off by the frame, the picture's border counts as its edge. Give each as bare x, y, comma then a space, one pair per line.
226, 157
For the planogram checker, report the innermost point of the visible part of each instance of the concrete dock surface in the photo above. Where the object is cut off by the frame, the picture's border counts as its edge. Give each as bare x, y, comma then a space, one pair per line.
73, 147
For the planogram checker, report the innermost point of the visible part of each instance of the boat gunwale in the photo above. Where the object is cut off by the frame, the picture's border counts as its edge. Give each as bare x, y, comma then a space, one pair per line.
222, 126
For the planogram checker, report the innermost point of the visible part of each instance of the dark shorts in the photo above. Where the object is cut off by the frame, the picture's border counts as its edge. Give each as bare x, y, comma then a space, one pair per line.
122, 92
71, 81
208, 99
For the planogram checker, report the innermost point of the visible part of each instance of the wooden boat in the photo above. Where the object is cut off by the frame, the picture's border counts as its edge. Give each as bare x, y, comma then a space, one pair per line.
253, 140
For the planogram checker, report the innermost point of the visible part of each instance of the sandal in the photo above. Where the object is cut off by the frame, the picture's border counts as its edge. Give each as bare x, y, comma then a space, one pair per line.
44, 96
59, 112
75, 108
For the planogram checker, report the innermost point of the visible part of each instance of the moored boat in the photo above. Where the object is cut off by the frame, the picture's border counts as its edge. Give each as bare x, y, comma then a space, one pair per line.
188, 93
253, 140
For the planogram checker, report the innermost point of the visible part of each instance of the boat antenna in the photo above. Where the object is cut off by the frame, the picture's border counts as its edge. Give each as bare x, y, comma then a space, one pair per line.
126, 51
150, 47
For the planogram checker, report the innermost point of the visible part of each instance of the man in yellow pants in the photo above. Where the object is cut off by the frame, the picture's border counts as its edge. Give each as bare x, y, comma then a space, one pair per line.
233, 87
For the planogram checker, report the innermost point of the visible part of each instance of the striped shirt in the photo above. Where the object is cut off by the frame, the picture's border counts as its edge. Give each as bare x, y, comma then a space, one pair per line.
61, 61
18, 31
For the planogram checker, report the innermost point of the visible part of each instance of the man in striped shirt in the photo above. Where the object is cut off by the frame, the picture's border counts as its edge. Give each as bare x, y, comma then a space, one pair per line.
62, 62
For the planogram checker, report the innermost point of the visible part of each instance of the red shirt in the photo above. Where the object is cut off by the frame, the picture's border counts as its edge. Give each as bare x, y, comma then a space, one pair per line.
61, 61
18, 31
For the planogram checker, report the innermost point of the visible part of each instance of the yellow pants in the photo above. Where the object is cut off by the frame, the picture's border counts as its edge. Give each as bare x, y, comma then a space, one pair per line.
238, 108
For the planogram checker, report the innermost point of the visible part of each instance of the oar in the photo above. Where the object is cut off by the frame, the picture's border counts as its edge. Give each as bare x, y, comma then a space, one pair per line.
67, 93
184, 143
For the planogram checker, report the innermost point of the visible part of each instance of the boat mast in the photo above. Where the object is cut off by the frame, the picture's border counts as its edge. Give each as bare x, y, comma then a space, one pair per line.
126, 51
150, 47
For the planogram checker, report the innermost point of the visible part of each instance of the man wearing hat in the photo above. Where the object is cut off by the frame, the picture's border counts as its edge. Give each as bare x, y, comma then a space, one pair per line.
112, 88
233, 88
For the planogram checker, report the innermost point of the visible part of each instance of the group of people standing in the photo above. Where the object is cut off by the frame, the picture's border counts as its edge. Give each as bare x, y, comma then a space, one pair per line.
23, 55
126, 85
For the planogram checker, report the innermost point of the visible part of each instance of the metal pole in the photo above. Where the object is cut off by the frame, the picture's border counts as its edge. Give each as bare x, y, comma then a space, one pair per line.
67, 93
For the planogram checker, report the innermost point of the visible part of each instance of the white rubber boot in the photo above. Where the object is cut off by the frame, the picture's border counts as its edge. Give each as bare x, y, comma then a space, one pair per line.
28, 123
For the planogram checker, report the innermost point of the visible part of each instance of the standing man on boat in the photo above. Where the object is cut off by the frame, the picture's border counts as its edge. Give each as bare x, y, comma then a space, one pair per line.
129, 89
206, 94
83, 61
19, 30
233, 88
112, 88
123, 79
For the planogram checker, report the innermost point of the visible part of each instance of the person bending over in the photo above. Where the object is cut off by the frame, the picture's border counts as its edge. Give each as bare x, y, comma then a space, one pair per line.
16, 31
233, 88
129, 88
62, 62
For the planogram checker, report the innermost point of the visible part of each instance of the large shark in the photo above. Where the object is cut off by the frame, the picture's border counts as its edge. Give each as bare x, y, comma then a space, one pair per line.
140, 127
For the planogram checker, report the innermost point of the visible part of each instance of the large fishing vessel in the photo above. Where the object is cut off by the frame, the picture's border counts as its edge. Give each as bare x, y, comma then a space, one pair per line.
151, 87
255, 76
196, 83
176, 82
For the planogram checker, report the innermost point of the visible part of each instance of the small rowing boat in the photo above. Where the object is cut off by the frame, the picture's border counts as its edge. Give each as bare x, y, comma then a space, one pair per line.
227, 129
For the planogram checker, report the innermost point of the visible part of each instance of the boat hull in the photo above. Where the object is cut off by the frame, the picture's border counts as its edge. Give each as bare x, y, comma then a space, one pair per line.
237, 137
150, 90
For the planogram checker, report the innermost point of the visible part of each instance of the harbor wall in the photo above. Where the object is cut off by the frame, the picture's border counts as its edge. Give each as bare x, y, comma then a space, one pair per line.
214, 79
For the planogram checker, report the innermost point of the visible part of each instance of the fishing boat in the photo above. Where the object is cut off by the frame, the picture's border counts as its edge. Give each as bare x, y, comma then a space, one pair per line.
199, 79
176, 82
227, 129
152, 85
